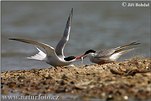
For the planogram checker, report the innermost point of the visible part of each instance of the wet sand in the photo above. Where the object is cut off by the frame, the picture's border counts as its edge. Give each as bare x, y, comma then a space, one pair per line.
130, 79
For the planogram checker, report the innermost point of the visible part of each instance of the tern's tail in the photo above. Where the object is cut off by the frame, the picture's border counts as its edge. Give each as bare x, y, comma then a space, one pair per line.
39, 56
123, 50
126, 48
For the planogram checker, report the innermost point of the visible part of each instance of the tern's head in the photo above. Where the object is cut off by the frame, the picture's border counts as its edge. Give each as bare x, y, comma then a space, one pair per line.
89, 51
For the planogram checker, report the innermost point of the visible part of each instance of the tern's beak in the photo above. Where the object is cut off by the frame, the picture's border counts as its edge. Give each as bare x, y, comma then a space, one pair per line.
80, 57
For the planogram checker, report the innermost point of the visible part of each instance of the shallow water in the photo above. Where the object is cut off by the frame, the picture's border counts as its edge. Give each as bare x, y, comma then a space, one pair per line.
95, 25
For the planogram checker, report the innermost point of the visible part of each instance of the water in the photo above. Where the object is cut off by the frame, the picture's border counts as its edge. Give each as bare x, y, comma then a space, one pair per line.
95, 25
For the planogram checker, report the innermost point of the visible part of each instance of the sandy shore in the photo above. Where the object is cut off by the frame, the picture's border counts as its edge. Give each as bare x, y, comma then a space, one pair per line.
115, 81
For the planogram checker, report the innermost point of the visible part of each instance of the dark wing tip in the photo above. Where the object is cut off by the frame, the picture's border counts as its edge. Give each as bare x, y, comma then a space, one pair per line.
17, 39
135, 43
12, 38
71, 13
69, 19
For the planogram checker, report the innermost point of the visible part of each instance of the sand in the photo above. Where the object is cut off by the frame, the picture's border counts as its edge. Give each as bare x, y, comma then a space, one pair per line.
129, 79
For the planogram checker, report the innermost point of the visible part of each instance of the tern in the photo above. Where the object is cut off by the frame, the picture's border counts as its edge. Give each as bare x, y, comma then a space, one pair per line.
53, 56
108, 55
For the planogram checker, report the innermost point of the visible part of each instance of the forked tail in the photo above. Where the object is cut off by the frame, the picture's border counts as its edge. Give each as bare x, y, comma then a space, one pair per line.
39, 56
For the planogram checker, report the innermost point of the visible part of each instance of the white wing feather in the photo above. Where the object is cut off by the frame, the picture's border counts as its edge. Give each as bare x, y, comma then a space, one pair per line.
39, 56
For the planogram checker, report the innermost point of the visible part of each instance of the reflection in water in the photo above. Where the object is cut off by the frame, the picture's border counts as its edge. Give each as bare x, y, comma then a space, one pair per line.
95, 25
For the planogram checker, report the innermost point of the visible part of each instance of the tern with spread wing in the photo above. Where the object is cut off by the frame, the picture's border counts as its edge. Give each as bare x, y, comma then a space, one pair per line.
108, 55
53, 56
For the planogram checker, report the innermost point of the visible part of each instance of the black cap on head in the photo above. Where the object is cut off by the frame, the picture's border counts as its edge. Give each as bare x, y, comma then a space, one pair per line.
89, 51
69, 58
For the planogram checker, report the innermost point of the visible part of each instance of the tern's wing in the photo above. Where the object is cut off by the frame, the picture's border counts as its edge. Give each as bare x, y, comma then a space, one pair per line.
104, 53
121, 50
60, 46
48, 49
126, 47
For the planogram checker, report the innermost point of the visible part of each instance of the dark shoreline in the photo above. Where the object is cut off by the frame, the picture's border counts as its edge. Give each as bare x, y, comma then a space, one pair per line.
115, 81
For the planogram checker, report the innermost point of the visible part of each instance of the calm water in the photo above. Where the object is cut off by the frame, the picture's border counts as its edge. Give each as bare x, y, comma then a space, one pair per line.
95, 25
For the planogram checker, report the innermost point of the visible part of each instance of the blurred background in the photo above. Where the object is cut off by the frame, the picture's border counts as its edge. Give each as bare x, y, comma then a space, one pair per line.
95, 25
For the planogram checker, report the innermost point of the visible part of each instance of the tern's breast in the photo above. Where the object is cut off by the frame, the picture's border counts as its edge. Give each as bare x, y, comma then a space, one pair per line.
115, 56
57, 61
